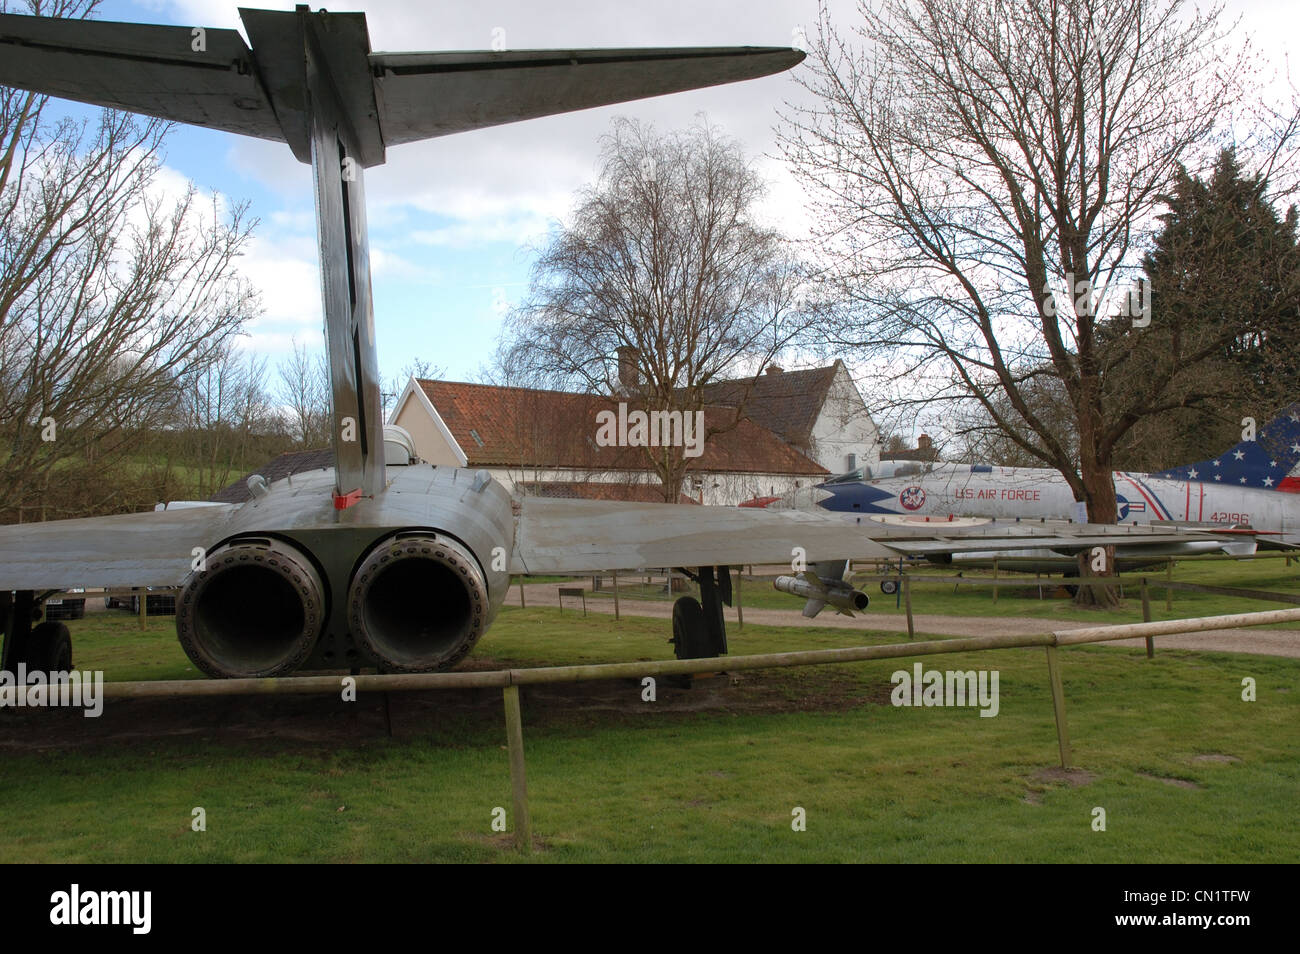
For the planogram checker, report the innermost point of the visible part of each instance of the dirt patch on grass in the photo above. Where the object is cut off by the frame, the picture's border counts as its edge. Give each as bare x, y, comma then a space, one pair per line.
456, 717
1044, 778
1073, 777
1215, 757
747, 693
1177, 782
505, 842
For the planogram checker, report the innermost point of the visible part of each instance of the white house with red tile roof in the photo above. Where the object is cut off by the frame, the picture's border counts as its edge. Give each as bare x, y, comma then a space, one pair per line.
819, 411
546, 442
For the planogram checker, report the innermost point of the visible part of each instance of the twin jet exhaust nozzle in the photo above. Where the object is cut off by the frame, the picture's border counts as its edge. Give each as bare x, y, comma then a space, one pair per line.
820, 592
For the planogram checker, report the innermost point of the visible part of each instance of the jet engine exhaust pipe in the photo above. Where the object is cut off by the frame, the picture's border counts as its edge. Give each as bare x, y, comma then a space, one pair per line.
835, 593
418, 602
256, 609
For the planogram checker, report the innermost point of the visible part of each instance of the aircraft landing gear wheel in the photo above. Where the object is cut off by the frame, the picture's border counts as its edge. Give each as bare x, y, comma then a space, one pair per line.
690, 634
49, 648
1070, 588
889, 587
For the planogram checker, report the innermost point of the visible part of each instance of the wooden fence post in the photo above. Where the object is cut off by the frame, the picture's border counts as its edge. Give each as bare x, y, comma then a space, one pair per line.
740, 610
1146, 618
1058, 705
518, 777
907, 599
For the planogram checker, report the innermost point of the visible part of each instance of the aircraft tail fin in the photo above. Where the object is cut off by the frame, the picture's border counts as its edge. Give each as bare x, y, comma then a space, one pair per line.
211, 77
309, 79
1269, 461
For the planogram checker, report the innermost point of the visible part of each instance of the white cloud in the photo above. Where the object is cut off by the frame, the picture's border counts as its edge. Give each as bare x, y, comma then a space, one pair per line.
785, 206
299, 220
289, 281
507, 183
386, 264
274, 345
519, 232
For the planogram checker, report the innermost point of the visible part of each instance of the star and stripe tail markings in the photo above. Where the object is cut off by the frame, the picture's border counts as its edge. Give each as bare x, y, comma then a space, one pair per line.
1266, 463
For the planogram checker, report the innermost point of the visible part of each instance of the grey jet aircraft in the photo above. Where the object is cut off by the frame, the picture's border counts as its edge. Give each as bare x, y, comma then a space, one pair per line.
1248, 497
383, 561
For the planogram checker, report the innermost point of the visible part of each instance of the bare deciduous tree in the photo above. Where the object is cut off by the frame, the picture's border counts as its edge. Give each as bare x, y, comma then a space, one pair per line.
417, 368
109, 293
664, 271
986, 175
224, 407
304, 392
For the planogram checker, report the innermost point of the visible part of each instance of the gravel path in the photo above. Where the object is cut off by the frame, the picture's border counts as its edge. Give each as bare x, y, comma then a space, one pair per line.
1264, 642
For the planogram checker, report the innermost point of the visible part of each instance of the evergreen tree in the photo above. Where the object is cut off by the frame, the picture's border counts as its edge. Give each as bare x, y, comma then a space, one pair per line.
1224, 276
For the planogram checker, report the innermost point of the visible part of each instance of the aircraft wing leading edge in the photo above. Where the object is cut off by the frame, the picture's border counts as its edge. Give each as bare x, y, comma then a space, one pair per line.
436, 94
134, 549
154, 70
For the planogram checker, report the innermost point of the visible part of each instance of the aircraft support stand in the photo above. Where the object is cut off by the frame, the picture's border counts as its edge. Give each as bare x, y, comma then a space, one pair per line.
16, 617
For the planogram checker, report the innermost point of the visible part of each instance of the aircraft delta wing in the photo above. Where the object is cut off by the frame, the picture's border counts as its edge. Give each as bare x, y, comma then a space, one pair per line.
381, 560
576, 536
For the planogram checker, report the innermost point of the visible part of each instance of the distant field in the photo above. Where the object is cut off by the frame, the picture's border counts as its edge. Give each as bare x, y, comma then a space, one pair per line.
1185, 770
934, 593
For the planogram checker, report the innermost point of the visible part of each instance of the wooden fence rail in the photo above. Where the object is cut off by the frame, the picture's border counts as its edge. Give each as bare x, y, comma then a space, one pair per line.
509, 680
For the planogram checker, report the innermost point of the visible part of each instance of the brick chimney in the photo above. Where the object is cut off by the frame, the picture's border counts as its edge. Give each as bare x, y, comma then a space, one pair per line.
629, 374
774, 369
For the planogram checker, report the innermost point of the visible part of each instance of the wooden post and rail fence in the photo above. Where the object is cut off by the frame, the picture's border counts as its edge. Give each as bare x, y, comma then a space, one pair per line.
510, 680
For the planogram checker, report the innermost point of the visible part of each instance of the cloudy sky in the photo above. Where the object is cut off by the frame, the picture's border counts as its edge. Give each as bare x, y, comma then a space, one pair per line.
453, 221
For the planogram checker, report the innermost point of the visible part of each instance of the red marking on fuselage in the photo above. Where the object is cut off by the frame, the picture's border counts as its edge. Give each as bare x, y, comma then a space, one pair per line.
344, 501
1145, 496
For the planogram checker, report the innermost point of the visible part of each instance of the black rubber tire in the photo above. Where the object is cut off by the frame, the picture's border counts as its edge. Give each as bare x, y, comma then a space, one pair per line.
49, 648
889, 587
690, 634
1070, 588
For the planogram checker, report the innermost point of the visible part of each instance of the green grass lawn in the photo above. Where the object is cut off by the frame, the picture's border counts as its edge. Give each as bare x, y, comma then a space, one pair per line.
933, 592
664, 782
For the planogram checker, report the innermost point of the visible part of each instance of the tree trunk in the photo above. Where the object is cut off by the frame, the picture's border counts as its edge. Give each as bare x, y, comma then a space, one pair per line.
1099, 495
